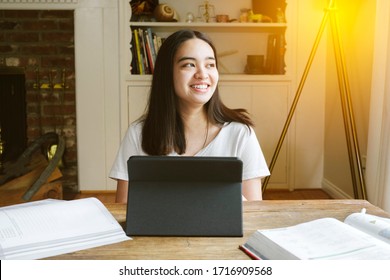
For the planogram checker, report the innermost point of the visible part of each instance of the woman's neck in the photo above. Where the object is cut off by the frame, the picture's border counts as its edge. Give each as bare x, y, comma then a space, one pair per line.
194, 118
196, 128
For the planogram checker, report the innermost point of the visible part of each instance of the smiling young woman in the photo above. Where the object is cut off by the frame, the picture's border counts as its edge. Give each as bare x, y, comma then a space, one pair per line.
186, 116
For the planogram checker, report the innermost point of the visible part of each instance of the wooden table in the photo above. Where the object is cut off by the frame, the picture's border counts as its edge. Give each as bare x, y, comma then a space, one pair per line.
257, 215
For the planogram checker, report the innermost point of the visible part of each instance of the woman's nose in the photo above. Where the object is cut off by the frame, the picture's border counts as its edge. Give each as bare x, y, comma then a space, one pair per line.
201, 74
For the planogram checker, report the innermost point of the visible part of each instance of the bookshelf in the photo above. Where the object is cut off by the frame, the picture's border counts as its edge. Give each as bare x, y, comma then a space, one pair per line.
250, 38
234, 41
232, 57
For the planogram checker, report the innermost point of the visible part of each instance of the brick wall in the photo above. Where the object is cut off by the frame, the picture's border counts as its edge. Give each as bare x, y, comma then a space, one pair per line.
42, 42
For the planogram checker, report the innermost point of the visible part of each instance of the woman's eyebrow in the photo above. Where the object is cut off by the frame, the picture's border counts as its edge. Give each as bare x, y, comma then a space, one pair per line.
192, 58
185, 58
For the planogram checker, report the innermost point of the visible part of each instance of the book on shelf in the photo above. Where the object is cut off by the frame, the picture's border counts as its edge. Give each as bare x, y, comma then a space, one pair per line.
280, 46
270, 57
145, 46
160, 40
144, 55
150, 46
134, 61
276, 48
50, 227
360, 236
138, 57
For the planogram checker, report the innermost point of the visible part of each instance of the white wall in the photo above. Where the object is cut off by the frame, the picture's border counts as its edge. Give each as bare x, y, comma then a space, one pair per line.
357, 23
97, 92
309, 115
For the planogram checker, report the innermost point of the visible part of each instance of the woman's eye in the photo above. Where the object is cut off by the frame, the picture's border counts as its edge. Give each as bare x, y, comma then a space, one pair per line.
193, 65
188, 65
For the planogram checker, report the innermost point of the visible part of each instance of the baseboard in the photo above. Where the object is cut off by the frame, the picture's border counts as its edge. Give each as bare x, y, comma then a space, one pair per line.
97, 192
334, 191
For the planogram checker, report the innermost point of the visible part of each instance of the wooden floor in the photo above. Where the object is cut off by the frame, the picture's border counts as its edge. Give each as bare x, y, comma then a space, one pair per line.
109, 196
295, 195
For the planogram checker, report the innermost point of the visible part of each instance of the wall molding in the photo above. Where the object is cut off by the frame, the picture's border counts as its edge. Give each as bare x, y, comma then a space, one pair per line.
334, 191
29, 2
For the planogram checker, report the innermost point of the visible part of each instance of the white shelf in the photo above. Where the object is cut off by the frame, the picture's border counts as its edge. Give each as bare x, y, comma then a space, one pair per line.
214, 27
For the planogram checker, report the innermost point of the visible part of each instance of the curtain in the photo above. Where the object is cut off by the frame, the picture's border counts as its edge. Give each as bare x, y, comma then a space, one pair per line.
378, 148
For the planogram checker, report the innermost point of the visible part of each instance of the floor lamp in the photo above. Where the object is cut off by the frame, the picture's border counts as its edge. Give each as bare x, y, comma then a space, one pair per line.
346, 103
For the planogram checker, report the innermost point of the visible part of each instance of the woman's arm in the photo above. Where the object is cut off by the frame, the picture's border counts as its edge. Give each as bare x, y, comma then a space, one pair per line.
251, 189
122, 189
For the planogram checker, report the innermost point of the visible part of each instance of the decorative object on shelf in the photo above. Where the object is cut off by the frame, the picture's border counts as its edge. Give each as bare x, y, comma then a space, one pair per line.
244, 15
252, 17
142, 10
269, 9
190, 17
165, 13
222, 18
280, 16
254, 64
206, 12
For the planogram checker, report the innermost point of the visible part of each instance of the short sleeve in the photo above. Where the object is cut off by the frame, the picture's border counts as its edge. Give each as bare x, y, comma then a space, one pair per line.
130, 145
254, 164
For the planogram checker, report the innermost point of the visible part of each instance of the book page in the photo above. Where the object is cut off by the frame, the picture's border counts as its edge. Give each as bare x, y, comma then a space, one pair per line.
376, 226
325, 238
39, 230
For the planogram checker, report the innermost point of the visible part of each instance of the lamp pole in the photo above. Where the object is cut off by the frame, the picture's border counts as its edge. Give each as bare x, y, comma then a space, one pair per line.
349, 123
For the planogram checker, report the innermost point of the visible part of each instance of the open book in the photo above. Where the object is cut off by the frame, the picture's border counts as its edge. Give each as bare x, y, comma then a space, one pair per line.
50, 227
361, 236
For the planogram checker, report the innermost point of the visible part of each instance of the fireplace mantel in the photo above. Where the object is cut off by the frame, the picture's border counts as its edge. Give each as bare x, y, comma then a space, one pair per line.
97, 83
44, 4
32, 2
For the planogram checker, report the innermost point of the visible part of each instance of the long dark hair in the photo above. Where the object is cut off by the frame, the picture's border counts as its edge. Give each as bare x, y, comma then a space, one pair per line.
163, 129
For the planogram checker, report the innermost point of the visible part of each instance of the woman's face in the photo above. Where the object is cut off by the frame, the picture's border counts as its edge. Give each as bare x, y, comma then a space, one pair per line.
195, 73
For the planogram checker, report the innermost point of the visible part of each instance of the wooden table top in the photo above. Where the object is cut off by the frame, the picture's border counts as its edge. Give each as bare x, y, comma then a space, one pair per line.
256, 215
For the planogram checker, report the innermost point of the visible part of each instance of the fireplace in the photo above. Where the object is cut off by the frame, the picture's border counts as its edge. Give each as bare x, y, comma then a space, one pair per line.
13, 132
94, 84
38, 82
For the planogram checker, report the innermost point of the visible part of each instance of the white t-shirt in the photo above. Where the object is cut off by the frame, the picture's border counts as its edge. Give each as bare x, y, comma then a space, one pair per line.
233, 140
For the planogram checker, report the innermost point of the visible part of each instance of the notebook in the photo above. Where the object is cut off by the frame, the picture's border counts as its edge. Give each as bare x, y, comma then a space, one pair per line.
184, 196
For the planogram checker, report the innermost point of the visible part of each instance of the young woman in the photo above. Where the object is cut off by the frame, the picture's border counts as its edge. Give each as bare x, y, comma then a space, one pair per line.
185, 116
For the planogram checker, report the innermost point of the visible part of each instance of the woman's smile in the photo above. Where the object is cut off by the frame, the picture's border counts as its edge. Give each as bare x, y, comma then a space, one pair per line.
200, 87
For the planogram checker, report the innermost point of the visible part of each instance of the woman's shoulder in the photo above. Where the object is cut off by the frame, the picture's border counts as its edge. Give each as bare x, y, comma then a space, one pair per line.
236, 127
137, 124
135, 128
